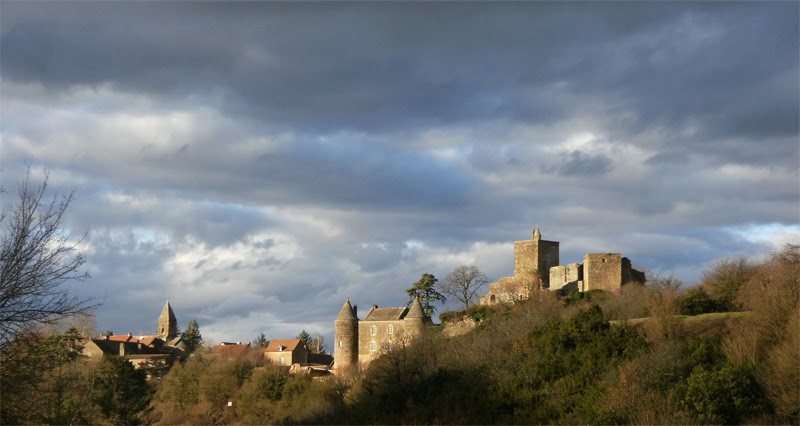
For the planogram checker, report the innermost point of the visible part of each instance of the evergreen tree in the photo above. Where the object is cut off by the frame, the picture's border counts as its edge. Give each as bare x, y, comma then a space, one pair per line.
426, 291
261, 341
192, 336
305, 339
120, 391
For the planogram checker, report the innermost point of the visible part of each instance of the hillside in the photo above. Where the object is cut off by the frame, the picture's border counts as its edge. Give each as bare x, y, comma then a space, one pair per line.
725, 351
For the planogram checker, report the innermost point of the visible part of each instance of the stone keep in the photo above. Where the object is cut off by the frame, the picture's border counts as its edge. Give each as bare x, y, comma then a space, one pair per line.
532, 262
535, 256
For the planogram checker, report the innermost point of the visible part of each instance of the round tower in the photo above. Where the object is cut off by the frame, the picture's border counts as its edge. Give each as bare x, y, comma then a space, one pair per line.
415, 319
345, 353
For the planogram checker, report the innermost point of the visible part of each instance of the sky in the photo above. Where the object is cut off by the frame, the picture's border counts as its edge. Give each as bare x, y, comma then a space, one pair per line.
257, 163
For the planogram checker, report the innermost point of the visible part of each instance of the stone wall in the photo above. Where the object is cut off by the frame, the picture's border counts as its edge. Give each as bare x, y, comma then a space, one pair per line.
566, 278
602, 271
346, 345
400, 333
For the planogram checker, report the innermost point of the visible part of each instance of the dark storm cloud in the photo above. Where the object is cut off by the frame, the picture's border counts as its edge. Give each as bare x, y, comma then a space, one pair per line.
249, 160
578, 163
384, 65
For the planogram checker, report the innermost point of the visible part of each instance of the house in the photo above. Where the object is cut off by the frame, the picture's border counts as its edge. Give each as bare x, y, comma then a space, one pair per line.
286, 352
154, 354
358, 342
231, 350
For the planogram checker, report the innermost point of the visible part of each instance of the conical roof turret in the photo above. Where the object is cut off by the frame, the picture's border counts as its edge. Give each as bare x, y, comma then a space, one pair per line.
347, 312
415, 311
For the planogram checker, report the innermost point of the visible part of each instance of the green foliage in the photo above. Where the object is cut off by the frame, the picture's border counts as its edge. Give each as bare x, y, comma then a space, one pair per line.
696, 301
181, 386
591, 295
192, 337
305, 338
261, 341
40, 383
560, 366
725, 395
120, 392
259, 394
425, 289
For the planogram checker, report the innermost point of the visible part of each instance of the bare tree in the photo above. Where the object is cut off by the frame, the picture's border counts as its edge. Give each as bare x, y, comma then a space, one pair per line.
36, 259
463, 283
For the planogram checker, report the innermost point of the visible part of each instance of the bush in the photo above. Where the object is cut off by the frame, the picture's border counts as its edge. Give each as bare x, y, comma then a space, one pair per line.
696, 301
726, 395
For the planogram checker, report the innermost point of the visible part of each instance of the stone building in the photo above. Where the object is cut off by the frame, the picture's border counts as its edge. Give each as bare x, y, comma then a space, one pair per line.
286, 352
532, 262
599, 271
167, 324
536, 263
358, 342
154, 354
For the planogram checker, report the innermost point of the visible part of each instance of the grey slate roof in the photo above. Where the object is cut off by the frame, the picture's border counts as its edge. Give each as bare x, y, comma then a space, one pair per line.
416, 310
386, 314
347, 312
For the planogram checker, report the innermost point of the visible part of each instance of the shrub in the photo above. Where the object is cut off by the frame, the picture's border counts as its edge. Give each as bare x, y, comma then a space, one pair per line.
696, 301
726, 395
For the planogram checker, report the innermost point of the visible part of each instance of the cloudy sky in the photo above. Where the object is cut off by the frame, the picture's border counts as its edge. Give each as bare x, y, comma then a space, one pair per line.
257, 163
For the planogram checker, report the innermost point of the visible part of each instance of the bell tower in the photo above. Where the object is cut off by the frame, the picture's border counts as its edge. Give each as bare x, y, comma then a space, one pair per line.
167, 324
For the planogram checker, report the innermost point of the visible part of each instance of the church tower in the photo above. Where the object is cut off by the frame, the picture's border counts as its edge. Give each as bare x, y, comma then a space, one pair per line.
167, 324
345, 355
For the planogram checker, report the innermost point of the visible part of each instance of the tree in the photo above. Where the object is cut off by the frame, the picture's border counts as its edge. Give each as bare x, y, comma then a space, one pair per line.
192, 336
317, 345
261, 341
120, 391
426, 291
36, 258
305, 339
463, 283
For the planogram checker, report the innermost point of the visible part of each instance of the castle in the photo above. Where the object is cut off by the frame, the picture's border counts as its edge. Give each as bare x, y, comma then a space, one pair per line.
360, 341
536, 265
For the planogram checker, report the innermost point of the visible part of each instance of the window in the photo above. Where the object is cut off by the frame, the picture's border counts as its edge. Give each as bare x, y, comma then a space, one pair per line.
373, 346
389, 345
389, 329
281, 358
340, 343
373, 330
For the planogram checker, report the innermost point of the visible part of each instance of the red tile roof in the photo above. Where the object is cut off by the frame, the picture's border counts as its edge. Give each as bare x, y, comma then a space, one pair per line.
230, 350
287, 345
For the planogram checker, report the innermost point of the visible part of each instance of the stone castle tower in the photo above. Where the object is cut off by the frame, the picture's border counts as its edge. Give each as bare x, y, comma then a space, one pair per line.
167, 324
359, 341
535, 256
346, 339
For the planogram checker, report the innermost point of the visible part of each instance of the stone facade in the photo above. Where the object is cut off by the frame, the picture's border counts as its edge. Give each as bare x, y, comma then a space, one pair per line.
286, 352
167, 324
536, 263
358, 342
566, 278
532, 262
